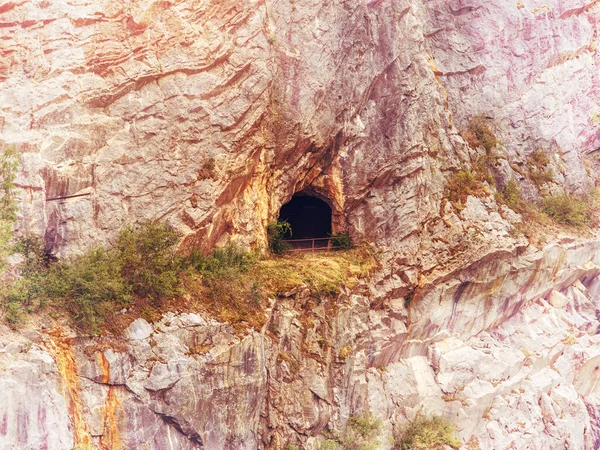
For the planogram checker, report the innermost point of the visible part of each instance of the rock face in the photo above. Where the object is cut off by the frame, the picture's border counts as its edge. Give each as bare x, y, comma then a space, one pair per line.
212, 114
526, 65
514, 364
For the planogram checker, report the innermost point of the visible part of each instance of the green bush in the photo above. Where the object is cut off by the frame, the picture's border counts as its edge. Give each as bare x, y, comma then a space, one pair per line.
276, 233
479, 134
225, 258
146, 254
14, 314
9, 162
567, 209
512, 196
341, 241
89, 287
330, 444
94, 285
361, 433
462, 184
540, 170
35, 258
426, 433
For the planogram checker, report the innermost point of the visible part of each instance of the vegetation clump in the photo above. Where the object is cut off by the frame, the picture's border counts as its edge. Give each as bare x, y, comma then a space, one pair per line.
9, 162
540, 169
142, 275
479, 134
462, 184
512, 196
341, 241
145, 255
223, 280
239, 291
208, 169
277, 232
92, 286
472, 182
230, 257
89, 287
426, 433
361, 433
567, 209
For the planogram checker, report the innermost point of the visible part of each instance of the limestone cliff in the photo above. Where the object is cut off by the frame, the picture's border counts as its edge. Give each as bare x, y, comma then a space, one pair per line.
211, 115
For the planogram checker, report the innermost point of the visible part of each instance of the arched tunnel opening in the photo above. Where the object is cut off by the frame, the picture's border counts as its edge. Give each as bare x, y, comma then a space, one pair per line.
309, 217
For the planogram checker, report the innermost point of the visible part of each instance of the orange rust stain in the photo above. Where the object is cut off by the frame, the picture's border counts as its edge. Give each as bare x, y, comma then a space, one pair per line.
60, 348
112, 411
436, 72
113, 415
105, 366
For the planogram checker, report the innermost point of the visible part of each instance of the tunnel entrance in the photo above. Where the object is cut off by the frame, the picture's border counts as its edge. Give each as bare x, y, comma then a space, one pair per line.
309, 217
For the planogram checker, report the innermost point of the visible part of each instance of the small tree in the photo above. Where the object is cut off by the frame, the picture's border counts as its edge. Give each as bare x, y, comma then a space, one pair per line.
425, 433
341, 241
277, 231
147, 258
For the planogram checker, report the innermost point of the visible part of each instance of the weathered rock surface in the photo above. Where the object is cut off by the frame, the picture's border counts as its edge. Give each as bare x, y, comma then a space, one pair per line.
514, 364
532, 66
33, 410
211, 114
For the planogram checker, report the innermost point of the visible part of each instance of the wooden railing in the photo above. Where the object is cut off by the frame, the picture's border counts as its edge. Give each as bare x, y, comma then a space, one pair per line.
311, 245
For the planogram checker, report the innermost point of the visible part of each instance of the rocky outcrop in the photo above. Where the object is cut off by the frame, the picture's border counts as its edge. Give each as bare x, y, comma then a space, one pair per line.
512, 362
530, 66
212, 114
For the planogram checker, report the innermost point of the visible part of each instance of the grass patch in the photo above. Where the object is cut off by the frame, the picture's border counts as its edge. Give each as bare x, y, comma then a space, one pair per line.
324, 273
426, 433
238, 293
462, 184
540, 169
479, 134
512, 196
361, 433
568, 209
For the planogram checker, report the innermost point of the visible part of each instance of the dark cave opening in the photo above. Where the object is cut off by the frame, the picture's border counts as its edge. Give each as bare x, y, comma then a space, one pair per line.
309, 217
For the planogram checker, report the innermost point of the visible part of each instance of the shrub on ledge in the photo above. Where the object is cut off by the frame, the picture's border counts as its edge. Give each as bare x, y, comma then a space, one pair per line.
94, 285
567, 209
426, 433
142, 275
462, 184
277, 231
341, 241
